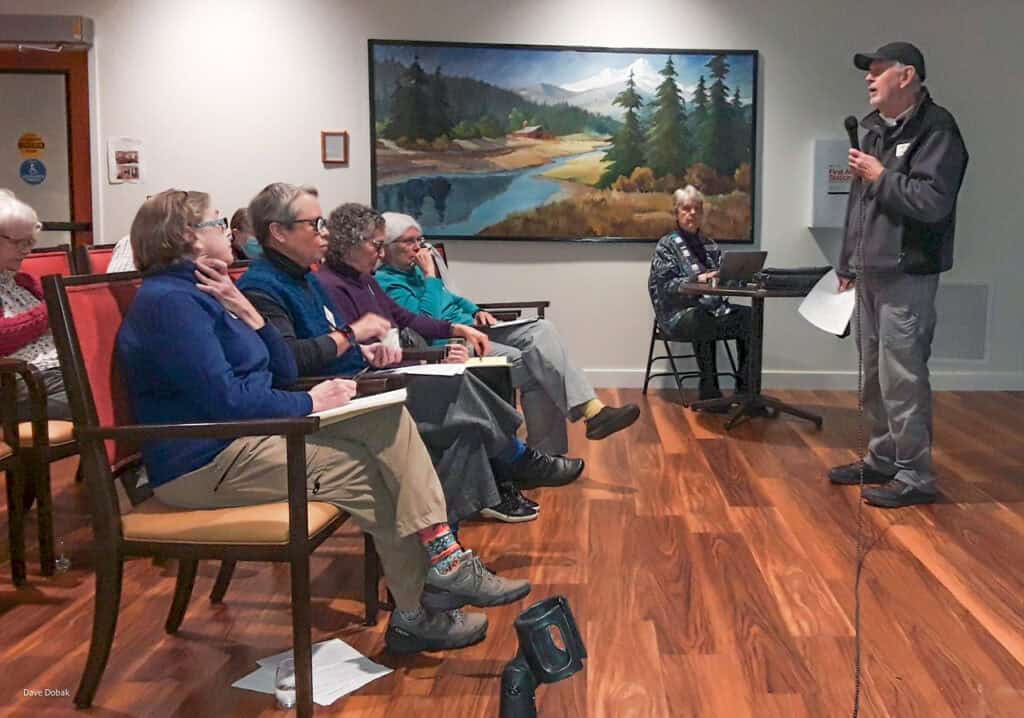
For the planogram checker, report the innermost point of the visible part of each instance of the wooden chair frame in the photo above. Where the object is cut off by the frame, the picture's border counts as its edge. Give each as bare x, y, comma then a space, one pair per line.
10, 465
112, 548
82, 257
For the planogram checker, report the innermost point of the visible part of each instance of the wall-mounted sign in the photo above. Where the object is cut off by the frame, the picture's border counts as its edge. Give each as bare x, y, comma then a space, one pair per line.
831, 183
31, 144
124, 160
32, 172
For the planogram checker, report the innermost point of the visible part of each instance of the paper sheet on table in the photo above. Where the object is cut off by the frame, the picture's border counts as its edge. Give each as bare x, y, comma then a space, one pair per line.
511, 323
338, 669
487, 361
430, 369
826, 307
361, 405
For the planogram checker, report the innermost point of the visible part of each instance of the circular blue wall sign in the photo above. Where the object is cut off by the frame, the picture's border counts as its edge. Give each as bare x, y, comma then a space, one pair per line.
32, 172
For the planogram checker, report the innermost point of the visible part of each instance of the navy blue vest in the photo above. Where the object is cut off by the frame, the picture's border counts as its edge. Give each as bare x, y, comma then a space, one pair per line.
304, 300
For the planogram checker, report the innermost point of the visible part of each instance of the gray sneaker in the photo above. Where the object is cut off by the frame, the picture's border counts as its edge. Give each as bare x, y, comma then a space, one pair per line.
434, 631
471, 583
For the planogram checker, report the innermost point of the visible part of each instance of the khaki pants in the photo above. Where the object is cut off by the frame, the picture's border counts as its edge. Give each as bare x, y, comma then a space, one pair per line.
373, 466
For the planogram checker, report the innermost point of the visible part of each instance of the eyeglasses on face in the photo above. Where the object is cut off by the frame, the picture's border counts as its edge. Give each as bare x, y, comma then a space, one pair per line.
24, 243
220, 222
411, 241
319, 224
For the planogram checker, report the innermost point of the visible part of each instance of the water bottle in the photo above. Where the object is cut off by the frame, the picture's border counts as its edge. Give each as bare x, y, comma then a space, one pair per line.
63, 562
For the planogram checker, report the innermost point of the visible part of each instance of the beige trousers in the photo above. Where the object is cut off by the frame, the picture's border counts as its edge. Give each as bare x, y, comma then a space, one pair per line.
373, 466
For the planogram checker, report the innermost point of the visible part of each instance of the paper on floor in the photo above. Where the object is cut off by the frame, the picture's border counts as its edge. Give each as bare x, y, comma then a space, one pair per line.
338, 669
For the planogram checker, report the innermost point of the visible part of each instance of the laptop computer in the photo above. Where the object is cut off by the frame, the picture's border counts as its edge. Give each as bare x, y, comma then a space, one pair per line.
740, 266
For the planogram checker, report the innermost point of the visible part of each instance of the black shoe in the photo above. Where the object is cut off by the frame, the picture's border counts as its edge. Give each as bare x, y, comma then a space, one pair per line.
895, 493
534, 469
510, 510
611, 419
849, 475
527, 502
707, 393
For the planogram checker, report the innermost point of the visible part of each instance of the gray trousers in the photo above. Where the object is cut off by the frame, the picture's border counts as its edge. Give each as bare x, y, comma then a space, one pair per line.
373, 466
897, 322
463, 424
56, 397
551, 386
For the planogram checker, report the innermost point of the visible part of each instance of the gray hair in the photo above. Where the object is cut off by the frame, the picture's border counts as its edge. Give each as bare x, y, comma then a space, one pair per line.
17, 219
687, 195
348, 225
274, 204
398, 224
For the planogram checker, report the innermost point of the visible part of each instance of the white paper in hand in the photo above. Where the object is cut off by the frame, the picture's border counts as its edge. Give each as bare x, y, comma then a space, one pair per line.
826, 307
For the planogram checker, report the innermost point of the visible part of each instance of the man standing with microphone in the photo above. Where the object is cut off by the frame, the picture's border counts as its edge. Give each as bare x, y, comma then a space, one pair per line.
899, 230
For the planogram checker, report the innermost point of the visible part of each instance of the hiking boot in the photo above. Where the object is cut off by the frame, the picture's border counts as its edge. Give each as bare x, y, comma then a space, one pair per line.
849, 474
534, 469
895, 494
470, 583
611, 419
434, 631
511, 509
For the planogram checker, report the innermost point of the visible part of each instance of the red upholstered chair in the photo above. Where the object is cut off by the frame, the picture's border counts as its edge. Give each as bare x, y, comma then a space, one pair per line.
93, 258
49, 260
86, 313
42, 441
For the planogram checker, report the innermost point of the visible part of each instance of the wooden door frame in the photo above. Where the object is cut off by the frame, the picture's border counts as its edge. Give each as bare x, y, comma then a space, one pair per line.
74, 65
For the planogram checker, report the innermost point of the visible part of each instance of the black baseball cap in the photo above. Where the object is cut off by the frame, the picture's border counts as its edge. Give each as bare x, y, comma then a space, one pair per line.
904, 52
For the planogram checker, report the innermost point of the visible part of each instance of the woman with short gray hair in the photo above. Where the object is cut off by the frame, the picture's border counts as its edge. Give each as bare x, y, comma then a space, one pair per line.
25, 326
685, 256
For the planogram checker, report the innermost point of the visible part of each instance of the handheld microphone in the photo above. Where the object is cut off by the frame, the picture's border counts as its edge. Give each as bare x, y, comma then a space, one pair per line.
851, 131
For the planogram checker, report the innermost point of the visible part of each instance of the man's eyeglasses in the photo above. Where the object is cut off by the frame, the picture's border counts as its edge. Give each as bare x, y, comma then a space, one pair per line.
220, 222
319, 224
25, 243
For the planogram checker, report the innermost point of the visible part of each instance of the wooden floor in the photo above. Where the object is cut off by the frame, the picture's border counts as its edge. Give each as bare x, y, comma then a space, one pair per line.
711, 573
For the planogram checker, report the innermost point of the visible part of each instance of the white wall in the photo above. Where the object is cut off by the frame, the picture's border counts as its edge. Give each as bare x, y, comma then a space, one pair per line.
230, 95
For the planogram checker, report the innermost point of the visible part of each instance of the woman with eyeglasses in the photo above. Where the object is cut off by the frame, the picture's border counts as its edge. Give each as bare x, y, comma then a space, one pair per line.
228, 363
25, 328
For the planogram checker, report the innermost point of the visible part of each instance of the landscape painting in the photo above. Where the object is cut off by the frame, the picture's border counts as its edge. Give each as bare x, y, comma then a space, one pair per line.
561, 143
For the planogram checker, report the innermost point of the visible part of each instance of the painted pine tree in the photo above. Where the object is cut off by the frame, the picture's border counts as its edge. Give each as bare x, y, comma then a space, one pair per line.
627, 151
668, 140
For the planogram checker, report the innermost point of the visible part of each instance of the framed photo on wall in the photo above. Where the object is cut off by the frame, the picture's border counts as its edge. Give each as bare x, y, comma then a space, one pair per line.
334, 147
536, 142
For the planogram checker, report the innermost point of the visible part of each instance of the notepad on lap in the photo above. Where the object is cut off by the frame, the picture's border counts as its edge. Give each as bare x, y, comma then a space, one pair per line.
510, 323
362, 405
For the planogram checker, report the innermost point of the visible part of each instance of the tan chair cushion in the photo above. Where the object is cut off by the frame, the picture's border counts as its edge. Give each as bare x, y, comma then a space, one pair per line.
5, 450
59, 432
261, 524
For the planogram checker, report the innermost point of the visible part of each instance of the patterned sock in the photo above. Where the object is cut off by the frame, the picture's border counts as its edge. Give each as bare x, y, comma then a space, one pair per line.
442, 548
512, 452
591, 409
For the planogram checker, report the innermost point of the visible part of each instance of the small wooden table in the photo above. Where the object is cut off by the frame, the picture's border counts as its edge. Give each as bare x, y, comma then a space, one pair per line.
752, 402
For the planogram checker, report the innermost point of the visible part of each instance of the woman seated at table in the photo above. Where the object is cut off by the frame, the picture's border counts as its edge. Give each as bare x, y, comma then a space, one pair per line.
25, 327
228, 364
686, 256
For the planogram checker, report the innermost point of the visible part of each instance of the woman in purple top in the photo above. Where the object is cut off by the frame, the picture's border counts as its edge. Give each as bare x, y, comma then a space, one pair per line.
356, 241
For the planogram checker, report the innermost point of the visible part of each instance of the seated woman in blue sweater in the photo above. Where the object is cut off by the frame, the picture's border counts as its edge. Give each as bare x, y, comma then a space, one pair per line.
192, 348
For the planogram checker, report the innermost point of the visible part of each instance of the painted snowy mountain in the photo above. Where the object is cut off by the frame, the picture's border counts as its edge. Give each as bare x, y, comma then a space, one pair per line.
597, 92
